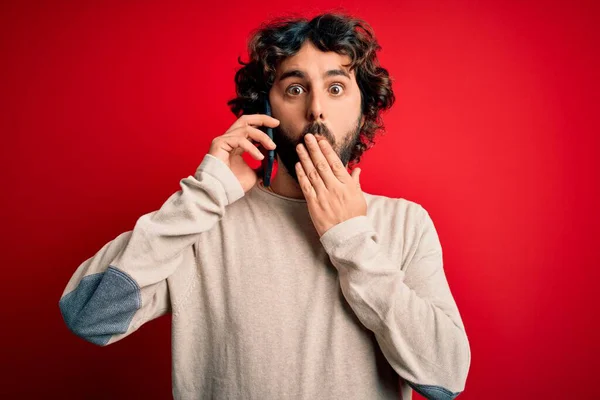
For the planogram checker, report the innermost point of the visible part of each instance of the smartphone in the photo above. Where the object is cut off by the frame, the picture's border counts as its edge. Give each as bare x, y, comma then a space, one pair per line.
270, 158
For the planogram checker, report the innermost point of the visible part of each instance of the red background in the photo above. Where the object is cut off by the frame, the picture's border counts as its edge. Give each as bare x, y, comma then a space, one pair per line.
495, 131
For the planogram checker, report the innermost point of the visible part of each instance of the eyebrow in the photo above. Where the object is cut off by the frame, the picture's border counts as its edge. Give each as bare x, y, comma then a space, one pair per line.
300, 74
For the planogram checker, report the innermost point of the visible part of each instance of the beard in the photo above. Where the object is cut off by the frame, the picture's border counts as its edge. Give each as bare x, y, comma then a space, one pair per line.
286, 145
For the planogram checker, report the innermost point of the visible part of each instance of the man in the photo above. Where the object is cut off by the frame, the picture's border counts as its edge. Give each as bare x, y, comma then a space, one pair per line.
307, 289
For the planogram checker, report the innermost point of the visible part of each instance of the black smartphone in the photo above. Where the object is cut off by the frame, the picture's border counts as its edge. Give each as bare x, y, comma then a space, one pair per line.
270, 158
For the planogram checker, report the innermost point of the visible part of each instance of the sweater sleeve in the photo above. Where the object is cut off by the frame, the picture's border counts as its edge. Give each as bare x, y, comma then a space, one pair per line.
124, 285
411, 312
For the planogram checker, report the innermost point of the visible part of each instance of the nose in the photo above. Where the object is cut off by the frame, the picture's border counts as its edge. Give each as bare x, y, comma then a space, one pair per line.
315, 107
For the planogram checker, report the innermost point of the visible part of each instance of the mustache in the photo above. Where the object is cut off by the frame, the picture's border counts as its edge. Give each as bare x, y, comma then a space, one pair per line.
317, 128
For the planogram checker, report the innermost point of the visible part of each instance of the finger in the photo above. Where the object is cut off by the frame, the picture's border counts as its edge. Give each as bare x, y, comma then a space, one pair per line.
255, 134
310, 170
319, 161
254, 120
305, 185
333, 160
250, 148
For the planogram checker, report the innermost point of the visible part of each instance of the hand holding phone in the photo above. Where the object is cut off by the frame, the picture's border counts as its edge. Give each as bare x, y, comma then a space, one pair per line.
242, 137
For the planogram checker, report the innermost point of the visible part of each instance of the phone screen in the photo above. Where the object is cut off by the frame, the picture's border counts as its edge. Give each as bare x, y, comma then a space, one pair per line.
270, 158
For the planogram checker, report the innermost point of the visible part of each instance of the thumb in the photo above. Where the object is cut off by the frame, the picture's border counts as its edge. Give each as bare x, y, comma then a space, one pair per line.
356, 175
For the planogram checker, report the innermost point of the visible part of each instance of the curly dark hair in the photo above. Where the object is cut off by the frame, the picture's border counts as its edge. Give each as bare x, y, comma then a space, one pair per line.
282, 37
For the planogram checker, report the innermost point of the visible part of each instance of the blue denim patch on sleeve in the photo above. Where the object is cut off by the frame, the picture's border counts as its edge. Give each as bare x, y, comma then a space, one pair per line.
101, 306
432, 392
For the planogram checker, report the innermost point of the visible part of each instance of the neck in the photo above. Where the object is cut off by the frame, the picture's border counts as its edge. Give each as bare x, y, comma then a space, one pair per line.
284, 185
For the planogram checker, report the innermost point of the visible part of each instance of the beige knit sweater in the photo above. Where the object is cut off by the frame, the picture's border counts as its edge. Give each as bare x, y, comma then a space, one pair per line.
264, 308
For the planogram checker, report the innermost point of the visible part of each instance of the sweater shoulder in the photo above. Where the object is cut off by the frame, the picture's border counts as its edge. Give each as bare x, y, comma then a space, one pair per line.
398, 222
380, 206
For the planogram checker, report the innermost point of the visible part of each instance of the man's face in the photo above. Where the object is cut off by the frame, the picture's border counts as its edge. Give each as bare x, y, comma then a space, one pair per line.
314, 93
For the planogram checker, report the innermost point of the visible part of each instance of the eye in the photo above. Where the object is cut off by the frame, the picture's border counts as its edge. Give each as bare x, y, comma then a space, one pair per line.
339, 88
295, 90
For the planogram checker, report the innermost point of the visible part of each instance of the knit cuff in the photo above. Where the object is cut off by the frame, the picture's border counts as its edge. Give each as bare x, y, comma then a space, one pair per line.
218, 169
